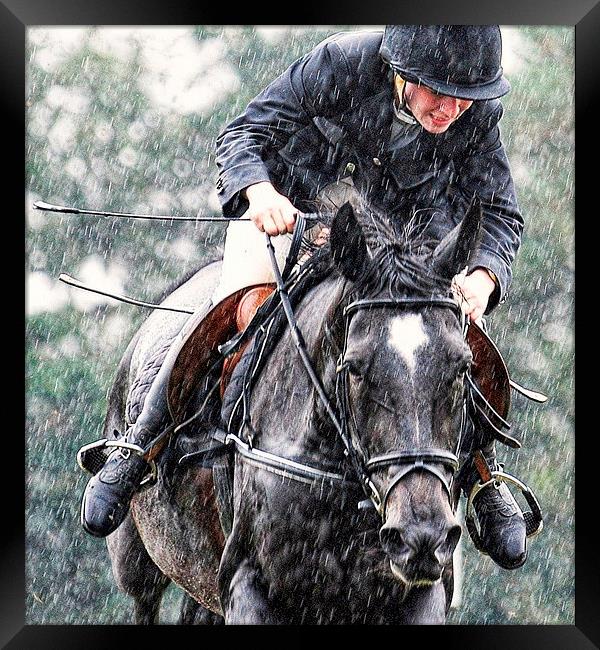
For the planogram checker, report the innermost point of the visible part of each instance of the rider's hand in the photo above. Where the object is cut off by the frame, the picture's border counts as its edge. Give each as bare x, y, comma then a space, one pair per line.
270, 211
473, 291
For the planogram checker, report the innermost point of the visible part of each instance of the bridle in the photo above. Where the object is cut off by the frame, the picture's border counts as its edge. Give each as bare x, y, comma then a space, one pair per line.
430, 460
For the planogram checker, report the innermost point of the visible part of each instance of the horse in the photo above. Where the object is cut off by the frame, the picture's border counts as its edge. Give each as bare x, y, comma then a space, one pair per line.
344, 511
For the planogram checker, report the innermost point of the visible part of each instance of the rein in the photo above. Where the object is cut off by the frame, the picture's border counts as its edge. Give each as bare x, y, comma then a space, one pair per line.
427, 460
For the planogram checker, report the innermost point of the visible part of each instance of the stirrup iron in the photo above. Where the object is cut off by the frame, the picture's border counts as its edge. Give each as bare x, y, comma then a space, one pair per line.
533, 519
93, 456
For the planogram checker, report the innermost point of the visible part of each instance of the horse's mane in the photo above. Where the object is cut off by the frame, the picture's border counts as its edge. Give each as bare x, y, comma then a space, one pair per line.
399, 256
395, 272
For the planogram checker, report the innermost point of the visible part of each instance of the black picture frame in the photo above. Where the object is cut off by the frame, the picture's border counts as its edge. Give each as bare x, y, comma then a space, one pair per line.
15, 17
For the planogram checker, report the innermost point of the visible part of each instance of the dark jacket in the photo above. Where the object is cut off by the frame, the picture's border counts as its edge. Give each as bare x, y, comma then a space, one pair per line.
330, 116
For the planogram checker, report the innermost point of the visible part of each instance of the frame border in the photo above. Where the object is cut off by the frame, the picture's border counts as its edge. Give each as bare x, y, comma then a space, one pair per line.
17, 15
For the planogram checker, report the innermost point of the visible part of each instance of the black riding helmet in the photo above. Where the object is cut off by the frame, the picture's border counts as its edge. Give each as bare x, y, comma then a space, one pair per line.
461, 61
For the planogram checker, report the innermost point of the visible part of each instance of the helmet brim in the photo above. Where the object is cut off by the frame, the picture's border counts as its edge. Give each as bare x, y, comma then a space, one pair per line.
493, 90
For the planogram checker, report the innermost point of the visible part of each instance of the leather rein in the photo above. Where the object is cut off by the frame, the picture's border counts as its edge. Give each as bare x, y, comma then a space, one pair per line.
432, 460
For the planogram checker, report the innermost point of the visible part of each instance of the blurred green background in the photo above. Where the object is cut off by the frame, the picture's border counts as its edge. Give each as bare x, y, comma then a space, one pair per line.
126, 119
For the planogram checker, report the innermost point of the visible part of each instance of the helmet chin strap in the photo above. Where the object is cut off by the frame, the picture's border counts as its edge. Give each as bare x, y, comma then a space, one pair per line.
401, 110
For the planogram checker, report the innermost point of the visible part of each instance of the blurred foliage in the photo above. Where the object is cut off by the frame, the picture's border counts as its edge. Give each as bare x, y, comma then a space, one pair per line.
534, 330
97, 137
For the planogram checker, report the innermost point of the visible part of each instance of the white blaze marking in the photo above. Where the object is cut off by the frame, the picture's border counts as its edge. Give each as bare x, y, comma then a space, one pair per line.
407, 334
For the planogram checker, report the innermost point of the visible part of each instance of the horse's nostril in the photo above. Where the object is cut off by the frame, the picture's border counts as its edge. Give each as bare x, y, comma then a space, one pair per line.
447, 546
393, 541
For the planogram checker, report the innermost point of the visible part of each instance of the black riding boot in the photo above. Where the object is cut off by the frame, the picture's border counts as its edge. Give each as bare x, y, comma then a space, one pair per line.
501, 522
108, 493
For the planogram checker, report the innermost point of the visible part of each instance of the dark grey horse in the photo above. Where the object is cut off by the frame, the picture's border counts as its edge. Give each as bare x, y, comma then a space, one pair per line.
301, 550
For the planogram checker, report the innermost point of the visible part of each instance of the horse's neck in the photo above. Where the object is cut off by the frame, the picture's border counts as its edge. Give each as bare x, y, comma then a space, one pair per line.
286, 408
314, 315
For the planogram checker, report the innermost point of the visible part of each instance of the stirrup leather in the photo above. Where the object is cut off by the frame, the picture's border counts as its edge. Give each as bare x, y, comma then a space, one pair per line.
533, 519
93, 456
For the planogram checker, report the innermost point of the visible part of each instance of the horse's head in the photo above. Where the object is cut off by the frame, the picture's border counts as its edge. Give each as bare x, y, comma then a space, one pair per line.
402, 370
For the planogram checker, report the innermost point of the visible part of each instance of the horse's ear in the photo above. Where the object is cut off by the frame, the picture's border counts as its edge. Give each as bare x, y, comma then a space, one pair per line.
453, 253
348, 244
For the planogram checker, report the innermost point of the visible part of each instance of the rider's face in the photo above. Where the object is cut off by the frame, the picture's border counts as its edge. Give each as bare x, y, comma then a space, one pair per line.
434, 112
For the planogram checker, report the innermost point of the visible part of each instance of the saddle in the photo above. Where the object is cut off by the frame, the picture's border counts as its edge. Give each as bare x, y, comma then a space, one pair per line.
245, 312
200, 351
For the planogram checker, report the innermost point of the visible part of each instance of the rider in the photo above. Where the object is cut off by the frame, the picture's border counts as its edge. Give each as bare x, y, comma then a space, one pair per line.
408, 121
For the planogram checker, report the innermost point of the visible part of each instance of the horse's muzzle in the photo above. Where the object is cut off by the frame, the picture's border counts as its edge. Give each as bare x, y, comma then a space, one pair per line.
419, 553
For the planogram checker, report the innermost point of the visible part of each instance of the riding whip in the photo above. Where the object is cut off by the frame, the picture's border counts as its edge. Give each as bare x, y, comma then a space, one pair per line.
67, 279
49, 207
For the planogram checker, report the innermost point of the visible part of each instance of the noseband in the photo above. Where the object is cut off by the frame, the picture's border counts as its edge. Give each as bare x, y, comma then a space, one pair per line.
425, 460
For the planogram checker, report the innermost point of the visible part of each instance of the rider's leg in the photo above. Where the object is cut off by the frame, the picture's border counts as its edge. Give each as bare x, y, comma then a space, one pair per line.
246, 260
502, 525
108, 493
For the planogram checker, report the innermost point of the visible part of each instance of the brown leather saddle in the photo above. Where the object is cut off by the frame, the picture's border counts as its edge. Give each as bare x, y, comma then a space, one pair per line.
206, 332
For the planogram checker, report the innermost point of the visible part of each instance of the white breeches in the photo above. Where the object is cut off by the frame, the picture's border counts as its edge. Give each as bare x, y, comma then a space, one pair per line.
246, 259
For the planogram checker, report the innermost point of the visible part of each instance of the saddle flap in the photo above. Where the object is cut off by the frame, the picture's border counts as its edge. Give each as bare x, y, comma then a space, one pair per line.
489, 370
246, 310
205, 331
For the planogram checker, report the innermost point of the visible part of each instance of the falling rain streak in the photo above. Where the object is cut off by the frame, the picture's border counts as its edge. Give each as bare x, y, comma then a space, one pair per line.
126, 120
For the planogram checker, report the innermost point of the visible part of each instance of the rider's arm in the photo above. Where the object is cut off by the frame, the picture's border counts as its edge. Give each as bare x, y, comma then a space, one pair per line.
309, 87
485, 170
